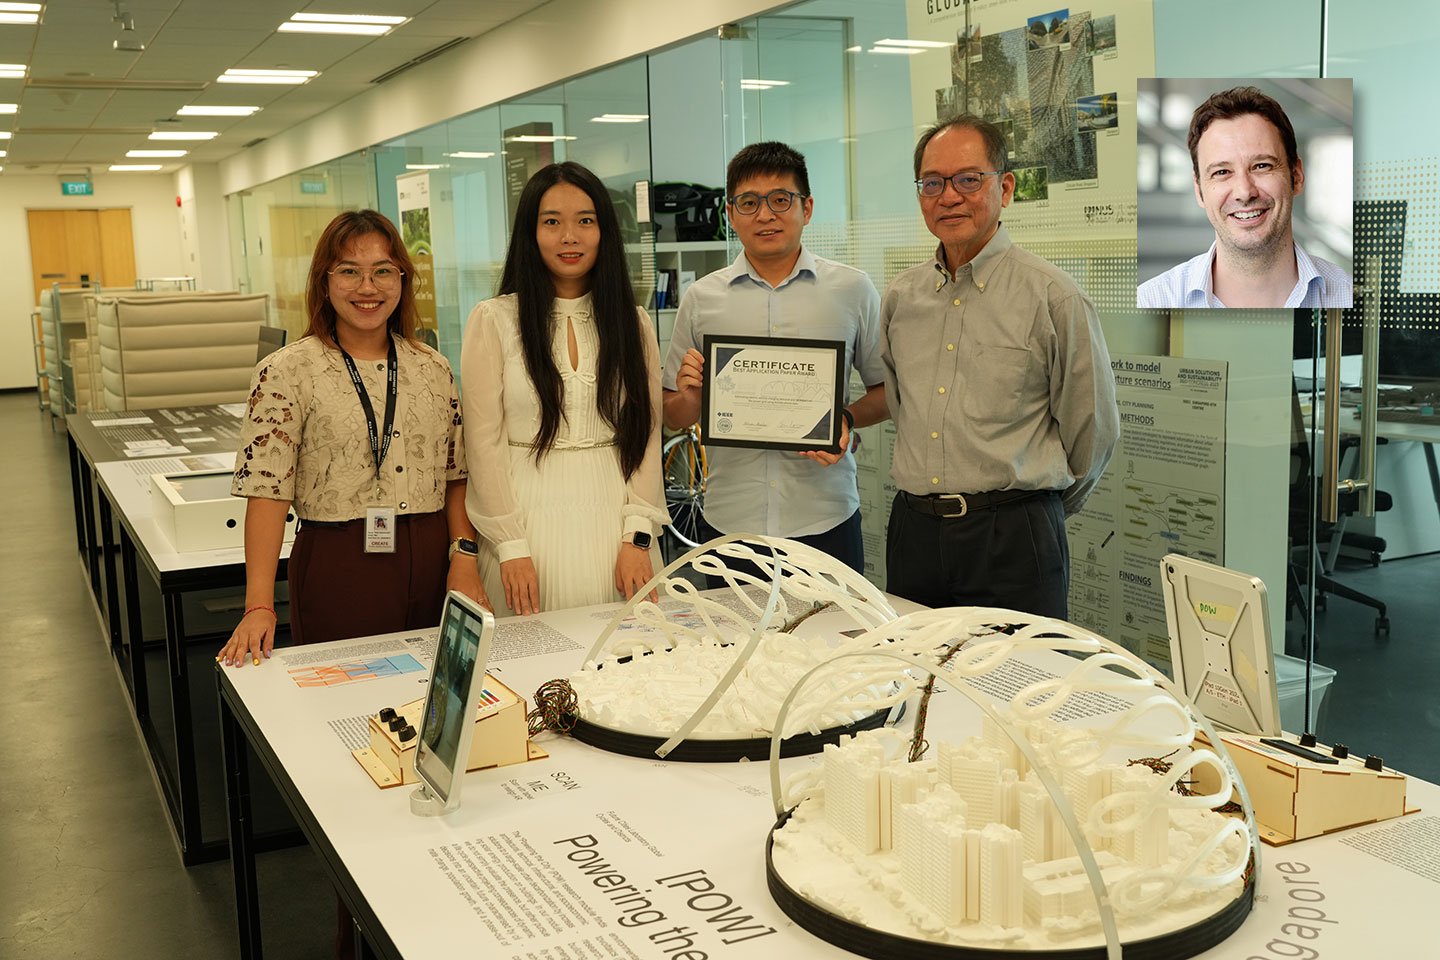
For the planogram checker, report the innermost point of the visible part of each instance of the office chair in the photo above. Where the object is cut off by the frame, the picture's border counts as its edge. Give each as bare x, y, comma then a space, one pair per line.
271, 339
1304, 551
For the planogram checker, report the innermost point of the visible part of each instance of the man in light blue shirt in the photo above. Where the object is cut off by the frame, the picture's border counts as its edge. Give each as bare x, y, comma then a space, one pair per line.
777, 288
1247, 176
1320, 284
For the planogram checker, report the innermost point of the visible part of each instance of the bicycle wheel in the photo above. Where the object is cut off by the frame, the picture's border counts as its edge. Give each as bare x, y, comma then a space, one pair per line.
683, 461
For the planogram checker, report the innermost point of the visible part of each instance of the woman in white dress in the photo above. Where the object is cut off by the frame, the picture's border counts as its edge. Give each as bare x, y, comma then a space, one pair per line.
561, 385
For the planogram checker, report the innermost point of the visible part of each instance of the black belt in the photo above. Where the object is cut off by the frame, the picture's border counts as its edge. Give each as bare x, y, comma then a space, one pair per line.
951, 505
303, 523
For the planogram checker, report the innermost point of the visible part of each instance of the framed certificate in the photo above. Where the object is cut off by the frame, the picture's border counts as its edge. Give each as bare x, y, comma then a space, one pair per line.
772, 392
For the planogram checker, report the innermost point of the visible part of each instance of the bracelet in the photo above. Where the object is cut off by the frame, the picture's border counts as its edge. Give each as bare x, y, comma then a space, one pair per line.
849, 418
260, 606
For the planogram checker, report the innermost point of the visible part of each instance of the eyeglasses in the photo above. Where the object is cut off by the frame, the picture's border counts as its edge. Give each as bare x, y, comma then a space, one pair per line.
779, 201
967, 181
383, 277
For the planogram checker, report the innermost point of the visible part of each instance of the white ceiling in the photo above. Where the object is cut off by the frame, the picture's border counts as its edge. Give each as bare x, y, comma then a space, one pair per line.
83, 104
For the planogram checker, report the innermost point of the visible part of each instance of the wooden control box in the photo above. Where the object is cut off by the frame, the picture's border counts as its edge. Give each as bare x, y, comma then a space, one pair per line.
501, 738
1296, 798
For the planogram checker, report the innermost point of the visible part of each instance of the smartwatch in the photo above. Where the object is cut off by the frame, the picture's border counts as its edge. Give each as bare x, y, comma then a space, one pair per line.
463, 545
642, 539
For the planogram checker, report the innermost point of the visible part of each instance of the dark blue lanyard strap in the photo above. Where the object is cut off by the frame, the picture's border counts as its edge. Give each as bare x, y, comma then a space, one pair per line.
379, 443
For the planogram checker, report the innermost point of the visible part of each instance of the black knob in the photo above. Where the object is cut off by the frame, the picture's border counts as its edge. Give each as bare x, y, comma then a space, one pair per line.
1307, 739
387, 714
396, 723
1373, 762
1340, 752
407, 734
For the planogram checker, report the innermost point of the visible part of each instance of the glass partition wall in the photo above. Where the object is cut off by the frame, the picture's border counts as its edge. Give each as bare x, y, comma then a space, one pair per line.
1225, 435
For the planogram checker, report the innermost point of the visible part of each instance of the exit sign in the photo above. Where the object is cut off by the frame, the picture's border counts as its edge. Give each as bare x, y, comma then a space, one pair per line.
77, 188
312, 186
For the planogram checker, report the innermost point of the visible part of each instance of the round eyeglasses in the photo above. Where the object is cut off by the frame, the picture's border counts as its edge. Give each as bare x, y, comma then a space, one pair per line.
383, 277
779, 201
967, 181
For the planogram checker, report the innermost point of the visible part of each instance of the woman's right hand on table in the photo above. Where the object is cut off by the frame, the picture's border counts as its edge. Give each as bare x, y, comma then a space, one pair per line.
252, 640
522, 585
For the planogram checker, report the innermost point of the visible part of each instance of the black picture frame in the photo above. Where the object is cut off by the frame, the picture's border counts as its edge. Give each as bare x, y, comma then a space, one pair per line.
716, 429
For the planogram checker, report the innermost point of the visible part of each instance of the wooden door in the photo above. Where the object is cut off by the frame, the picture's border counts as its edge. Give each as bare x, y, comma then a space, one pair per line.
66, 245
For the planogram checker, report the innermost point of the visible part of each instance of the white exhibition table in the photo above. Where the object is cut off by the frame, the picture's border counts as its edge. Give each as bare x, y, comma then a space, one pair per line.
507, 872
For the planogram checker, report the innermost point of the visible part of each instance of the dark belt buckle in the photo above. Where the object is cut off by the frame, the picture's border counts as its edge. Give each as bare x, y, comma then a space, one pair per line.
959, 498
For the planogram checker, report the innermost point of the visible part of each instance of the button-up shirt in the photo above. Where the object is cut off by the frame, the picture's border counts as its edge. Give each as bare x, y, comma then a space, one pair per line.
778, 492
1191, 285
998, 379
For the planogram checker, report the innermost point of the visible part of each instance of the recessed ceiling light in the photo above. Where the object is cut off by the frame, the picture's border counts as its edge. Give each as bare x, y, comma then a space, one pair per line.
906, 51
426, 166
621, 118
156, 153
535, 138
20, 12
9, 107
6, 134
133, 167
758, 84
471, 154
12, 71
364, 29
240, 75
201, 111
340, 23
915, 44
348, 18
183, 135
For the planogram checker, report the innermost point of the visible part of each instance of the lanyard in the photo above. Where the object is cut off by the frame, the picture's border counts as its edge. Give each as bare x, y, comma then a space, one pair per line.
379, 443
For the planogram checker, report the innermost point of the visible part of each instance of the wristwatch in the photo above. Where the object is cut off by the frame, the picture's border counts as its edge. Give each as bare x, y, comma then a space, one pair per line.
642, 539
463, 545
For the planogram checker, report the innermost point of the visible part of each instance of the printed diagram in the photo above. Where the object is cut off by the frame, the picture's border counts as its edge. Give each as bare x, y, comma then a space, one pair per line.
1172, 518
355, 671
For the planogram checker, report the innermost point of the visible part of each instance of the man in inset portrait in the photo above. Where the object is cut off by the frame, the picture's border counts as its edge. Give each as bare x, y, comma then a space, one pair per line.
1247, 173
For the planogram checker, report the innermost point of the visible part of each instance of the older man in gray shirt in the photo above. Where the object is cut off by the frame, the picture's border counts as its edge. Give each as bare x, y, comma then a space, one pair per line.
1000, 385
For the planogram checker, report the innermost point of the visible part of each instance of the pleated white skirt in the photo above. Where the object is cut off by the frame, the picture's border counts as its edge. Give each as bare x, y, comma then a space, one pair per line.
572, 502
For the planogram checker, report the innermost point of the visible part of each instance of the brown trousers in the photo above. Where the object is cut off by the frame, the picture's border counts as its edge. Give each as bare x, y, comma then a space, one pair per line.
337, 590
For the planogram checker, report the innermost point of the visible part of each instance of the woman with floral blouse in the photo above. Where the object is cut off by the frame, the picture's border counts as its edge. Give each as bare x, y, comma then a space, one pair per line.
356, 427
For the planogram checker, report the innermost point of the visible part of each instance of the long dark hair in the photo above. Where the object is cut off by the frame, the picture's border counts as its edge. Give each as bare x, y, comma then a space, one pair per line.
330, 250
622, 382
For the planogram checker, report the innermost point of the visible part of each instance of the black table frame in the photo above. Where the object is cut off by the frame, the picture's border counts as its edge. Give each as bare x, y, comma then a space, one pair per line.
117, 597
241, 739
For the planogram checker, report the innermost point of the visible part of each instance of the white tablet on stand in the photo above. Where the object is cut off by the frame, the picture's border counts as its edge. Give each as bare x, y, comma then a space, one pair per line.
1219, 622
447, 723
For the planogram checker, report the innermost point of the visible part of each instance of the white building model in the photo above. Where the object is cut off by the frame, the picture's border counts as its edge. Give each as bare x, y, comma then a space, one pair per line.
973, 837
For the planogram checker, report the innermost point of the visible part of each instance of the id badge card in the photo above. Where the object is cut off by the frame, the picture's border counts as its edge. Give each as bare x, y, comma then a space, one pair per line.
380, 530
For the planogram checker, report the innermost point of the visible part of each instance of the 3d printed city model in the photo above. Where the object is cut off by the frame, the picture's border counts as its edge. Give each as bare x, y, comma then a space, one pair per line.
1034, 835
716, 666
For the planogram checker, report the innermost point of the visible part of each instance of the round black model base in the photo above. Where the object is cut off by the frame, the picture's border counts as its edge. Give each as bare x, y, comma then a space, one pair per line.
718, 751
868, 942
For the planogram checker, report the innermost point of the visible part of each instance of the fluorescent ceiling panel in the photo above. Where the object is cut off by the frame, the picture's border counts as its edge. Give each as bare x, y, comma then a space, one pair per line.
202, 111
